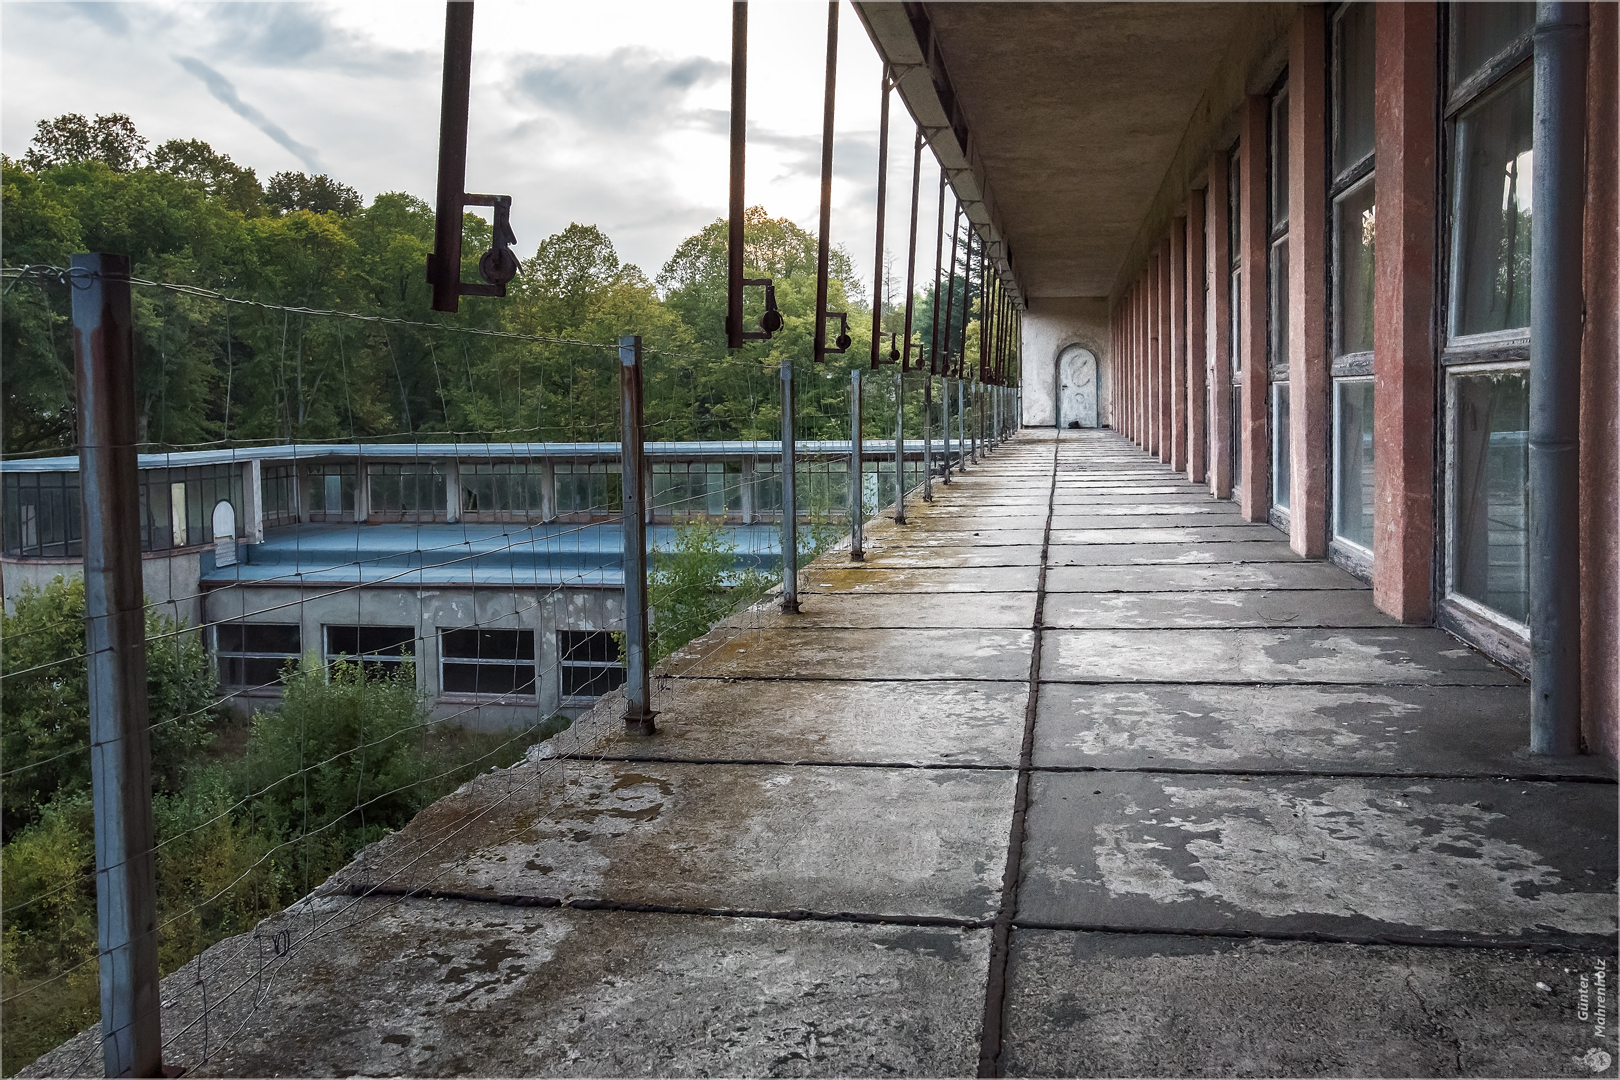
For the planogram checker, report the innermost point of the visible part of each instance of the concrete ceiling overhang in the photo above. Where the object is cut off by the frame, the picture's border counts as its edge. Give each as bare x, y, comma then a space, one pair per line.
1059, 123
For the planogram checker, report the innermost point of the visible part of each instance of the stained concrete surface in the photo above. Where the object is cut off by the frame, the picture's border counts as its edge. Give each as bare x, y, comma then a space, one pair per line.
797, 875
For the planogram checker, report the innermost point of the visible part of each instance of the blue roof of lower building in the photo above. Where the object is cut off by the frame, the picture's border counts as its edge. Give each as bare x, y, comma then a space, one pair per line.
513, 555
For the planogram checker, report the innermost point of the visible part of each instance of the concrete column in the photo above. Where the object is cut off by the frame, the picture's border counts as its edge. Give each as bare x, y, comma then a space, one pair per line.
1138, 361
1178, 344
452, 491
1256, 502
1163, 408
1309, 366
1219, 330
1153, 355
253, 501
1600, 398
1406, 141
1197, 342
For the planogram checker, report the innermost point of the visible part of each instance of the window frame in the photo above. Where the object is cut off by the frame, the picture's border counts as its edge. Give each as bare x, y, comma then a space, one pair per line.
1277, 314
1497, 634
372, 658
565, 664
519, 697
245, 655
1352, 554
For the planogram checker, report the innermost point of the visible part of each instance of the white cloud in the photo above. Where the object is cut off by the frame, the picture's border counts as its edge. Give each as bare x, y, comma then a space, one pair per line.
610, 113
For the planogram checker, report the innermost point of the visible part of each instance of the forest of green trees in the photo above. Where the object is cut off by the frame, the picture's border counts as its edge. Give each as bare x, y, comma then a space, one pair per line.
212, 373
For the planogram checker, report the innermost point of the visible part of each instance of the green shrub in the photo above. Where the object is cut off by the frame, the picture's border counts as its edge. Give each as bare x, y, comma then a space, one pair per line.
695, 584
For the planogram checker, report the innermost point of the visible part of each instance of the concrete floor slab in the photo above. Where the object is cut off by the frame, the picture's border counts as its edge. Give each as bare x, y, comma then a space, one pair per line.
1394, 655
854, 578
1154, 506
1434, 860
1296, 607
1474, 730
1077, 517
1247, 576
440, 989
1083, 1004
947, 537
901, 842
818, 653
919, 723
1213, 535
1141, 553
960, 555
874, 611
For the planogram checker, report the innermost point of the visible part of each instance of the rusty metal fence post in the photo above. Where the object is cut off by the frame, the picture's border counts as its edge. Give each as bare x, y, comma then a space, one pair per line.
638, 716
115, 640
961, 426
945, 406
928, 435
790, 503
857, 507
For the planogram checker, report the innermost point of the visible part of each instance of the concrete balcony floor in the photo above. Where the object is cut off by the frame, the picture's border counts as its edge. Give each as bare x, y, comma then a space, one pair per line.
1268, 831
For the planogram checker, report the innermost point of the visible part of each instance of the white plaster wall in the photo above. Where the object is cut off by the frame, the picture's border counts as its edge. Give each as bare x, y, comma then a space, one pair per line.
1050, 325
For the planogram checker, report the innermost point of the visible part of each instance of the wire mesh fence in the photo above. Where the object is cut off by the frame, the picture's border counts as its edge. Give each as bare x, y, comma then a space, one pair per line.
382, 556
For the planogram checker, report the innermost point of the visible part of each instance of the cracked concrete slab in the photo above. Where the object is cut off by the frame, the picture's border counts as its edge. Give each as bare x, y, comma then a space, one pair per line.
1432, 860
1392, 656
1086, 1004
902, 842
854, 578
1224, 516
1213, 535
813, 653
922, 723
1477, 730
1133, 552
1296, 607
1307, 575
826, 608
941, 555
433, 988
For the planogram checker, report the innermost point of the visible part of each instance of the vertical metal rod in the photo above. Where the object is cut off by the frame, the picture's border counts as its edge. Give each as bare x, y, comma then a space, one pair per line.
945, 406
911, 248
939, 251
950, 296
984, 313
961, 425
928, 434
638, 716
900, 447
825, 219
790, 504
882, 207
856, 502
739, 150
115, 639
445, 266
1556, 301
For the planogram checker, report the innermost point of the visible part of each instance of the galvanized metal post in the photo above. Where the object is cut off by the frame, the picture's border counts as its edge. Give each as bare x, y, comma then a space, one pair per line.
790, 504
856, 508
1556, 302
961, 424
928, 435
638, 716
115, 639
900, 447
945, 405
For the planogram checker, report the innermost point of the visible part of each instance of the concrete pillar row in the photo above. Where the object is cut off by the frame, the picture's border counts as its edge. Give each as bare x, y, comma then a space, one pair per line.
1152, 403
1162, 407
1197, 342
1178, 344
1309, 364
1255, 504
1140, 404
1219, 330
1405, 140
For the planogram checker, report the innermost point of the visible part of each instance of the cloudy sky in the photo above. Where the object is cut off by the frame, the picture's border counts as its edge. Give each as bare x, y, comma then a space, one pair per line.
613, 114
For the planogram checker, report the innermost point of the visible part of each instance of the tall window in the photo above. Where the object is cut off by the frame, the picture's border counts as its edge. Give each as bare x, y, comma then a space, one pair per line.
500, 490
1235, 283
278, 487
1277, 293
684, 489
329, 489
1486, 354
588, 489
1354, 218
414, 491
40, 514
